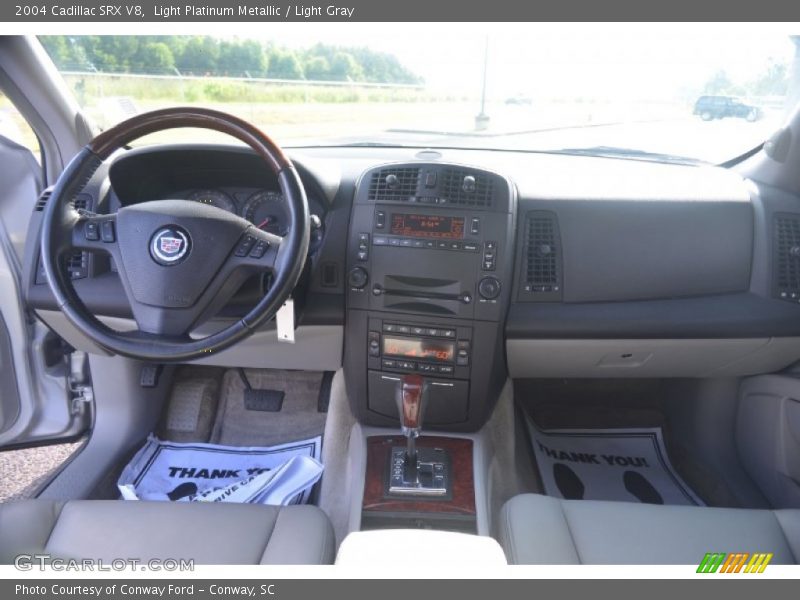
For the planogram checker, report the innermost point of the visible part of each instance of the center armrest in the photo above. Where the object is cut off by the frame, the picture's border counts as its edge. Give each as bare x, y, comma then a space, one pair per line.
414, 546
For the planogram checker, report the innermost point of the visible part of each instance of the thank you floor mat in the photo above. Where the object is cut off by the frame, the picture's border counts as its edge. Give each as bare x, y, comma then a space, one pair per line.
608, 464
282, 474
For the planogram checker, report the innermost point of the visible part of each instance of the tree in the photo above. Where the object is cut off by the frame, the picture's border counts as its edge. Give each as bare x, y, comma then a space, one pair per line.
317, 68
206, 55
345, 68
720, 84
154, 57
284, 64
237, 58
199, 56
775, 82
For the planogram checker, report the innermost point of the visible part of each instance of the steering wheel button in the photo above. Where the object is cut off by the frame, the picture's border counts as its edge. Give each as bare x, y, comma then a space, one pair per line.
260, 249
107, 231
244, 247
92, 231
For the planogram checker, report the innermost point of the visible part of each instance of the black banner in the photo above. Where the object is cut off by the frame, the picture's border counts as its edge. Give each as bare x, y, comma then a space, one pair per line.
338, 11
401, 589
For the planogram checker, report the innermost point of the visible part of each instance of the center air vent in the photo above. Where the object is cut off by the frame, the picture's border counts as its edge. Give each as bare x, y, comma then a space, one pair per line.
542, 262
394, 184
466, 187
786, 257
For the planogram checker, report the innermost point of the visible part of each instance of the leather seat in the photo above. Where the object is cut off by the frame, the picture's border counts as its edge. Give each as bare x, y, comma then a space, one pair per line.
209, 533
537, 529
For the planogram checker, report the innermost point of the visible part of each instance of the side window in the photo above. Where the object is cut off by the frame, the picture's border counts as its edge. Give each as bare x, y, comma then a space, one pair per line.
14, 127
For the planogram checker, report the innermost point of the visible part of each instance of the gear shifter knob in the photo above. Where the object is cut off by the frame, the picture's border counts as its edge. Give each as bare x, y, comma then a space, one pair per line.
410, 399
411, 402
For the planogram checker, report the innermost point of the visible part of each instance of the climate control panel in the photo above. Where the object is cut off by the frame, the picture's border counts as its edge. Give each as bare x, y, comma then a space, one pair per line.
404, 347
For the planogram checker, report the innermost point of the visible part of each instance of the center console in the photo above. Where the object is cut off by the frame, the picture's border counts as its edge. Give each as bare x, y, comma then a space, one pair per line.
429, 263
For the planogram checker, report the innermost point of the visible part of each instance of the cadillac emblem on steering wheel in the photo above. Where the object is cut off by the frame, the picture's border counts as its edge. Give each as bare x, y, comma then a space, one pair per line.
170, 245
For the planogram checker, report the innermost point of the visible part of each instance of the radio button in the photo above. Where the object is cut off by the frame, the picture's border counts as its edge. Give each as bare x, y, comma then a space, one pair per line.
462, 358
374, 345
358, 278
489, 288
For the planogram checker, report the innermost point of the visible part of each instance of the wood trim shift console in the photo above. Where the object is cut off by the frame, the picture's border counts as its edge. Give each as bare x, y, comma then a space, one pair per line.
462, 501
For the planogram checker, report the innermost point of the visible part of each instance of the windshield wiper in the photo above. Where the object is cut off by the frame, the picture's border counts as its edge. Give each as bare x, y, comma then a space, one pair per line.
630, 154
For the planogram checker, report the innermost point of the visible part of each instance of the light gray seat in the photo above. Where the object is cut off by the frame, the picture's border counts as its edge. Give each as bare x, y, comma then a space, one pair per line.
535, 529
208, 533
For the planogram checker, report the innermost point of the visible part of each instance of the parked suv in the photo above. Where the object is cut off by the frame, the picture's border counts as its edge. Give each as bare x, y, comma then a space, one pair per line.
719, 107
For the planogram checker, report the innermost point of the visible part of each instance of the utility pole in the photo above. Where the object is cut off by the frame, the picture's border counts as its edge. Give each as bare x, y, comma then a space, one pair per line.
482, 119
793, 93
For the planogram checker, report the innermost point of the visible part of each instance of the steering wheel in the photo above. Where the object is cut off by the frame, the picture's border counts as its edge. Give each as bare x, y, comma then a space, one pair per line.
179, 261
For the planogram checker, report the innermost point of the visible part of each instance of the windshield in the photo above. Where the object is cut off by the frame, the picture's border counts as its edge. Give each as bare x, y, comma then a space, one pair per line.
667, 94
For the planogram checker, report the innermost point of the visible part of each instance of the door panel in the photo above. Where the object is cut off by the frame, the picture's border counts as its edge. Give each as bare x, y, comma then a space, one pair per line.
37, 403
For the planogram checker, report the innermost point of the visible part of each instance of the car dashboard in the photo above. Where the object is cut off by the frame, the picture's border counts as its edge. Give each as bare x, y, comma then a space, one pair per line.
470, 266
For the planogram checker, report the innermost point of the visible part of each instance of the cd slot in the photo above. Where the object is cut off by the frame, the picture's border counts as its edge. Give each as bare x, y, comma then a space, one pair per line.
421, 294
441, 296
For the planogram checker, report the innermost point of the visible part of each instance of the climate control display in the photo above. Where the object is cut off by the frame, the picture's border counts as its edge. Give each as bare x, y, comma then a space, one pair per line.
427, 226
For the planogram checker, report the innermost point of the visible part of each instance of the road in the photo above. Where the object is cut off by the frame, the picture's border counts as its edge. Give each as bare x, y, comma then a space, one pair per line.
22, 471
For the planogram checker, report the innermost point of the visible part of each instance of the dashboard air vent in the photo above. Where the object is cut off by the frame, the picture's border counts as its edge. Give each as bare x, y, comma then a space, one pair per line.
542, 267
42, 200
394, 184
466, 187
786, 260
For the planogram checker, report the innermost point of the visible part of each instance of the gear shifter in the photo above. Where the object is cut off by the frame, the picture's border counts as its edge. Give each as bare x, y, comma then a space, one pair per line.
416, 471
410, 397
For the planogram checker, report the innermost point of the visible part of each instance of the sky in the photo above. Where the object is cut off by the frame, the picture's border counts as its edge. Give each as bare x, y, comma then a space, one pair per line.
623, 60
531, 59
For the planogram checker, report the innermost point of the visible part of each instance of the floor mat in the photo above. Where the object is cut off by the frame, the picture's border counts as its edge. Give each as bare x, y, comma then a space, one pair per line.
298, 417
172, 471
192, 406
629, 464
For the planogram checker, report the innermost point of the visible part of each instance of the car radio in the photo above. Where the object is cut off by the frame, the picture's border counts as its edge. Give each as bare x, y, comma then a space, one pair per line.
430, 254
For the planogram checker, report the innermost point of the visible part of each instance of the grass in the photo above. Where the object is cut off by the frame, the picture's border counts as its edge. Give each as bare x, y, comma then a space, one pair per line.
88, 87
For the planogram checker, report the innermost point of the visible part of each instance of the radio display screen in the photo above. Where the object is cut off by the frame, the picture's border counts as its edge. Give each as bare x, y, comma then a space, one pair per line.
427, 226
419, 349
